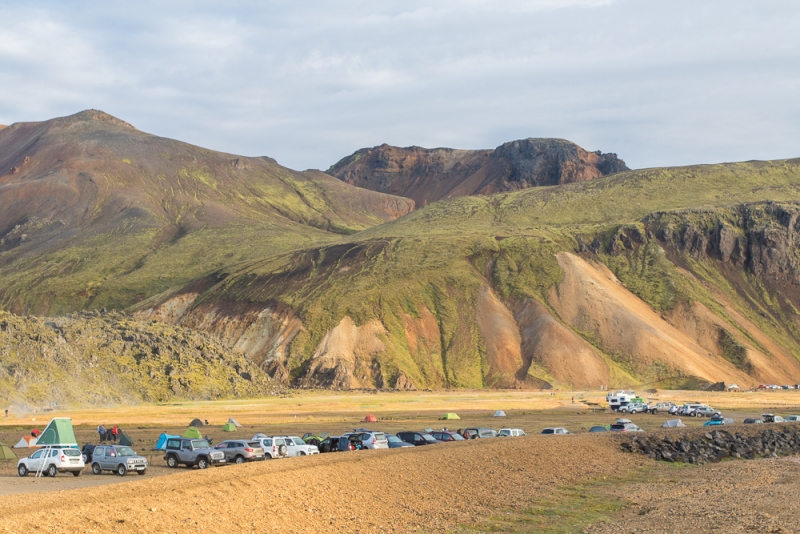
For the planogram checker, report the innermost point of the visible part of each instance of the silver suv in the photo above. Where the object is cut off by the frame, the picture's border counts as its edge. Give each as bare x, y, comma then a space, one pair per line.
52, 462
239, 452
191, 452
372, 440
117, 458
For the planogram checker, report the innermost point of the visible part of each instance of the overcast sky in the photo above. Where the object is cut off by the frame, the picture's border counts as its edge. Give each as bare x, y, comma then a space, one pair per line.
659, 83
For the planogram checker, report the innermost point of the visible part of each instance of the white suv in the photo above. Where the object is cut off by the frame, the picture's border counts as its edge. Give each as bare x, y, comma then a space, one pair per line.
510, 432
273, 447
52, 462
295, 446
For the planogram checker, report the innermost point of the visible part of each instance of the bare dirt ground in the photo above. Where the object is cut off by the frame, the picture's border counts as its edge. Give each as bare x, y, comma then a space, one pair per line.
534, 484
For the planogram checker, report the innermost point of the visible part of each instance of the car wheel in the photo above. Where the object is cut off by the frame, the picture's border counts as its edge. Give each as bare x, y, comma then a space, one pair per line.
52, 471
76, 473
202, 463
22, 470
172, 461
302, 453
121, 470
96, 469
268, 457
238, 460
143, 471
633, 412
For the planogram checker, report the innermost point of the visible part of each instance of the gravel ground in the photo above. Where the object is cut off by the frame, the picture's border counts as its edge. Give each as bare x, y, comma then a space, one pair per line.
430, 489
732, 496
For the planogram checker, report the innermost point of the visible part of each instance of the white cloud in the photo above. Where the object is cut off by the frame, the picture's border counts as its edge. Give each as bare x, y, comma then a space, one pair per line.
307, 83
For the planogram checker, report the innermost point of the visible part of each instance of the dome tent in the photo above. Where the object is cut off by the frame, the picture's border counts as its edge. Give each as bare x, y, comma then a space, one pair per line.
499, 413
229, 427
234, 422
370, 419
25, 442
6, 453
450, 415
197, 423
192, 433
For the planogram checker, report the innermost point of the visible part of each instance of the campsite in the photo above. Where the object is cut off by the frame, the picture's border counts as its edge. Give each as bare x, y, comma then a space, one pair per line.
531, 463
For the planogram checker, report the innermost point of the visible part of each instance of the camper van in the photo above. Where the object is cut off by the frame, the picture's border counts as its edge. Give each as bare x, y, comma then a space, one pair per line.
618, 399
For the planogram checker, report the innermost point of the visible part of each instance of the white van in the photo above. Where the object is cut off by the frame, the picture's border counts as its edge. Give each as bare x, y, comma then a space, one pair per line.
510, 433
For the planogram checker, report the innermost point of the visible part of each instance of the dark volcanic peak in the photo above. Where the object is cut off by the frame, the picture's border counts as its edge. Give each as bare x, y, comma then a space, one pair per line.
427, 175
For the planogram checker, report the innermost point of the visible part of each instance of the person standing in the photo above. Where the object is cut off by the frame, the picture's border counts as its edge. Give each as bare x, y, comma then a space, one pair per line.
114, 431
101, 430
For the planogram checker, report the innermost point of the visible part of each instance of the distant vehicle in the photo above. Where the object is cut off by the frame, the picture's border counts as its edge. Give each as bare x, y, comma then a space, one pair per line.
598, 428
792, 418
295, 446
446, 435
688, 409
661, 407
511, 432
618, 399
418, 438
556, 431
350, 442
634, 407
752, 421
190, 452
476, 433
273, 447
87, 451
52, 461
397, 443
372, 440
714, 421
329, 444
238, 451
625, 427
118, 459
704, 411
770, 418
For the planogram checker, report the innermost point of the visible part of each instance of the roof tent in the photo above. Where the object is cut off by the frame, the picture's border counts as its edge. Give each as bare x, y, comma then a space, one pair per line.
58, 432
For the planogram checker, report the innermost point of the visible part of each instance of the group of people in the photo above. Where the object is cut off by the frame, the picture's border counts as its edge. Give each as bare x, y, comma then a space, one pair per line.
109, 434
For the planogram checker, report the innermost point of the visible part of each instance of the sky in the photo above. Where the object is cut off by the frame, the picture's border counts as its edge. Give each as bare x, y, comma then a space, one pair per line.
308, 83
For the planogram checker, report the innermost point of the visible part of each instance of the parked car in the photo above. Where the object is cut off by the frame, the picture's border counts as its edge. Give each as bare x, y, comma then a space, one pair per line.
661, 407
714, 421
329, 444
52, 462
792, 418
238, 451
687, 409
418, 438
704, 411
350, 442
634, 407
560, 431
117, 458
371, 439
770, 418
624, 425
397, 443
447, 435
598, 428
191, 452
509, 432
86, 451
273, 447
476, 433
295, 446
753, 421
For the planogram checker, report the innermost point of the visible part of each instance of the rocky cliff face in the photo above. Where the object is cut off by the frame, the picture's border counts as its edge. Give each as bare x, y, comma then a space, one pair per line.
427, 175
101, 358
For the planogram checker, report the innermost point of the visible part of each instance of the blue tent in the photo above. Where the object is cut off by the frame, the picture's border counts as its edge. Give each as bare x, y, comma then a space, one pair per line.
162, 441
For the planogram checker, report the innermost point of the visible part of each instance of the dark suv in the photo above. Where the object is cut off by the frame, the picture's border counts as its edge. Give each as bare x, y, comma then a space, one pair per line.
475, 433
446, 435
418, 438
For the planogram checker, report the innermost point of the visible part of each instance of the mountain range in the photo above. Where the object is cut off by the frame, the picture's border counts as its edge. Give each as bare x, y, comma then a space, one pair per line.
534, 265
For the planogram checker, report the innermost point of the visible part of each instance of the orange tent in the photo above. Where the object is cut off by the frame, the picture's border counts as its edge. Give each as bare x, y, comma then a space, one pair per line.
370, 419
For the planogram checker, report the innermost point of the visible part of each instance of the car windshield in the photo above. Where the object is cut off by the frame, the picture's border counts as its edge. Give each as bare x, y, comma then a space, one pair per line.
125, 451
72, 452
200, 444
617, 427
428, 437
457, 437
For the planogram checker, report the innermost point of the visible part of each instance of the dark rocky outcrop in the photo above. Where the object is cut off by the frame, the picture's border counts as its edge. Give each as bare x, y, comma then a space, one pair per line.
716, 445
426, 175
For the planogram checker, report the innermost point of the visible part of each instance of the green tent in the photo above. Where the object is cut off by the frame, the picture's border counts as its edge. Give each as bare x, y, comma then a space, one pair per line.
6, 453
126, 440
58, 432
229, 427
193, 433
450, 416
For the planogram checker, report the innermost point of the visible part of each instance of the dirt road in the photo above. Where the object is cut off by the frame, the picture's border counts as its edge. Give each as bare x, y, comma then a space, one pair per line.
429, 489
